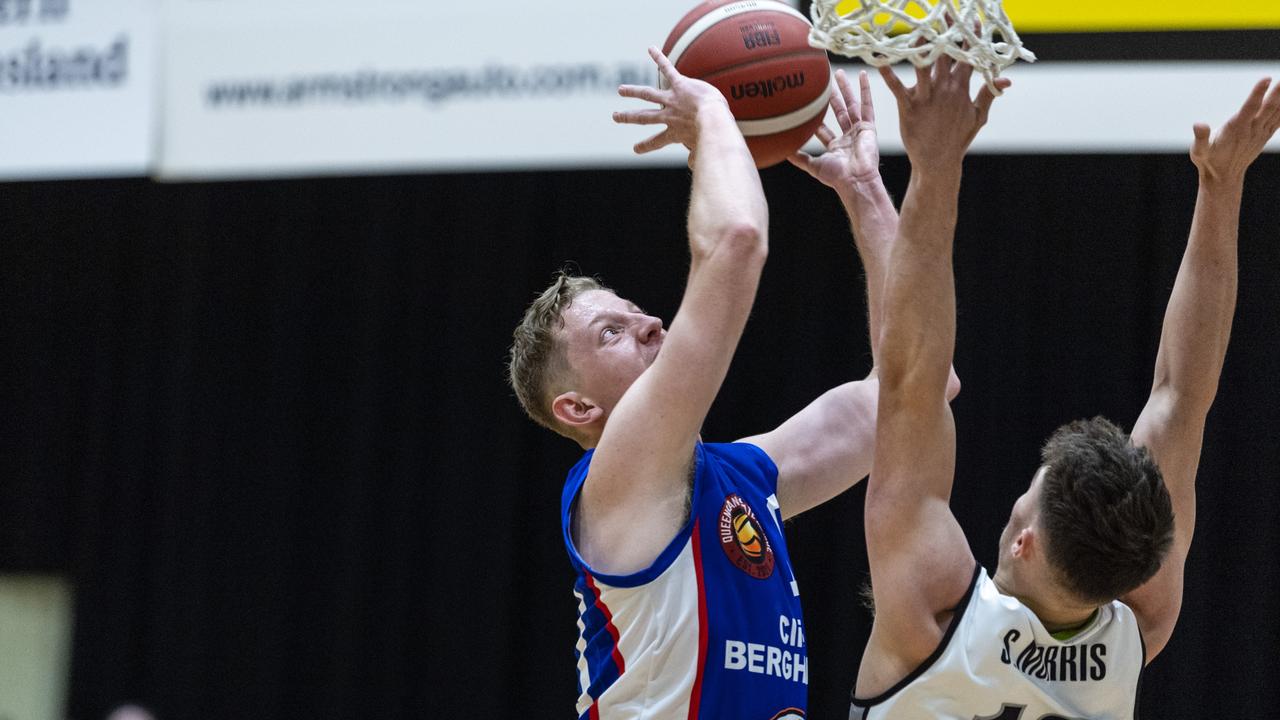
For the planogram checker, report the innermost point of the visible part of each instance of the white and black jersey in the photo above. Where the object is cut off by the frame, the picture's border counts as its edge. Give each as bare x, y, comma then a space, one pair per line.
998, 662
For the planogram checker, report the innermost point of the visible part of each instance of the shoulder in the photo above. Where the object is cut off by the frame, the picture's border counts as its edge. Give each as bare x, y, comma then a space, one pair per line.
573, 481
897, 662
1126, 622
623, 542
744, 457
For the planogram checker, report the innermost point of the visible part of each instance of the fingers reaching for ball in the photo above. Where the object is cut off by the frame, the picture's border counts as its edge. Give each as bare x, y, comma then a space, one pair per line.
656, 142
845, 112
804, 161
669, 71
868, 107
849, 106
683, 102
1228, 152
642, 92
638, 117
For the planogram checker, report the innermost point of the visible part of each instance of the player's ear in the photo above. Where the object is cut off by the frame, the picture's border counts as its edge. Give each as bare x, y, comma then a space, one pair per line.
576, 410
1025, 544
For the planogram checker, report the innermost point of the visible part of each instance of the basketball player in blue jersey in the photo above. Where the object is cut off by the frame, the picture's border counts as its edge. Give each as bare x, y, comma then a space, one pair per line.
1089, 583
686, 601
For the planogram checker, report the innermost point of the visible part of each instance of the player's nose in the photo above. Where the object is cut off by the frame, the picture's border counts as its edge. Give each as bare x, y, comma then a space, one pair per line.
649, 328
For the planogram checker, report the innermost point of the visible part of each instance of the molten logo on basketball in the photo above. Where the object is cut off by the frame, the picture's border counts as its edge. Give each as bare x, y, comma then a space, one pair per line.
743, 540
767, 88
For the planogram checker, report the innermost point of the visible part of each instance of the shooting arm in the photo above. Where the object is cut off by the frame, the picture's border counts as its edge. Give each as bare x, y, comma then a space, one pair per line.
635, 492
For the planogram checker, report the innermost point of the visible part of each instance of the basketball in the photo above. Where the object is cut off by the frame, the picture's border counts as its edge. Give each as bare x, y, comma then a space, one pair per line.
757, 53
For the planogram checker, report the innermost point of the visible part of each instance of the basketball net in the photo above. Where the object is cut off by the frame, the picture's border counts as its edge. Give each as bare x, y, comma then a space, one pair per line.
883, 32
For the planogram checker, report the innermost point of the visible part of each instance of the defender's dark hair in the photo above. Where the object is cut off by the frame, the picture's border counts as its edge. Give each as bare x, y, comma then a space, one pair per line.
1105, 510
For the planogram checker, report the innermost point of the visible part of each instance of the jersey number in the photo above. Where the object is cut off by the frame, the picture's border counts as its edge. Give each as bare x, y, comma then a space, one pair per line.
1014, 712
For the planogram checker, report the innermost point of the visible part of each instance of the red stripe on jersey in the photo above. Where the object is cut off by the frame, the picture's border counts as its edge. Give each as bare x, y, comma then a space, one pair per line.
608, 625
695, 697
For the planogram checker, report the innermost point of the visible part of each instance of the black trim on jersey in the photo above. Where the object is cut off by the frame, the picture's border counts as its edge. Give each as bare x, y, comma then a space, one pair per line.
959, 611
1137, 693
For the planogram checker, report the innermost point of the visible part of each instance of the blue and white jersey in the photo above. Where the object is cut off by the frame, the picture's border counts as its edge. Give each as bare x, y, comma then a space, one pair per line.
712, 629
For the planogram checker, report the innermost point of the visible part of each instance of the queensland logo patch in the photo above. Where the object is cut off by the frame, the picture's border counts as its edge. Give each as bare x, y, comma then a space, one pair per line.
743, 540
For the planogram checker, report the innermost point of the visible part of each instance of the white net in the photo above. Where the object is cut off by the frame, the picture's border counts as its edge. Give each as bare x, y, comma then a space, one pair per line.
883, 32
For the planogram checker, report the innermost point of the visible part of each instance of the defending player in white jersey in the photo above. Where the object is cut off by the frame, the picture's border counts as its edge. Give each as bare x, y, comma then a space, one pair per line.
1089, 583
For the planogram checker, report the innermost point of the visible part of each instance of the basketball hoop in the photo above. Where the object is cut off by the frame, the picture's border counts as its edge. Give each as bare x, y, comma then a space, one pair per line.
883, 32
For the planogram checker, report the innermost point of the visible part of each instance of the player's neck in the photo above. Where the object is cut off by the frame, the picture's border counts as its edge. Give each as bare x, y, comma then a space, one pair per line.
1056, 613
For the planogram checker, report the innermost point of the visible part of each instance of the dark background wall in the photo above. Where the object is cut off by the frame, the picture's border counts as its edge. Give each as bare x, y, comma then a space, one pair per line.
263, 425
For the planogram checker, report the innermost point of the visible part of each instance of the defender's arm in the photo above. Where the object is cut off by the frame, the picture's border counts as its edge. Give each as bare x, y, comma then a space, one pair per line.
920, 561
634, 495
1193, 343
851, 167
827, 447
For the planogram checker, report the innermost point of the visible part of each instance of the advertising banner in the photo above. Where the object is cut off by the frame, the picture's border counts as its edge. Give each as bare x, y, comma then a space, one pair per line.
281, 87
274, 88
1128, 108
76, 87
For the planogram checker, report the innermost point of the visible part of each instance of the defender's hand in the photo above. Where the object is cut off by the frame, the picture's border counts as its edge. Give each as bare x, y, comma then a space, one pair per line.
1228, 153
853, 157
684, 106
938, 118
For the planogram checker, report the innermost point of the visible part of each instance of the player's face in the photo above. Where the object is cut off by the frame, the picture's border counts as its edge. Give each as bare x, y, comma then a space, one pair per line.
609, 343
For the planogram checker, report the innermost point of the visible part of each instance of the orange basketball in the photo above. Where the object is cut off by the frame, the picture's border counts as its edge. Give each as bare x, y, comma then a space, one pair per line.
757, 53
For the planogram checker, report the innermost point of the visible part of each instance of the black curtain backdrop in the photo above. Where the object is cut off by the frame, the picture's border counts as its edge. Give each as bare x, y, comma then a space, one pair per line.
264, 427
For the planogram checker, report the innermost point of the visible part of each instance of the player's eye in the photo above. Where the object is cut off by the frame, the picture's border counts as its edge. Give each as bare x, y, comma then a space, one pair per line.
608, 332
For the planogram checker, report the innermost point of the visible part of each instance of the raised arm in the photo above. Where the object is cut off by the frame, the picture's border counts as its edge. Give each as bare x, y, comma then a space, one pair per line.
851, 167
828, 447
1193, 342
920, 560
635, 493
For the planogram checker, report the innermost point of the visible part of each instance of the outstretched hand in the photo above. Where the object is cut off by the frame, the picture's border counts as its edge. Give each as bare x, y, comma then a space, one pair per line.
938, 118
854, 156
1228, 153
682, 102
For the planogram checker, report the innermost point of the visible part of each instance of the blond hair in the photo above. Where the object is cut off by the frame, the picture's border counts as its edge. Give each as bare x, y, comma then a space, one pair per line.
537, 358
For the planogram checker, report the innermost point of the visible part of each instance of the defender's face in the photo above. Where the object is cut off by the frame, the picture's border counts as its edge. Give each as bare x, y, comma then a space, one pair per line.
609, 343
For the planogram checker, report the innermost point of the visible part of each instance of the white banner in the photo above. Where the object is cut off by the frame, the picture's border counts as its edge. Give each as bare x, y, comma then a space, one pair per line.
76, 87
288, 87
1096, 107
304, 87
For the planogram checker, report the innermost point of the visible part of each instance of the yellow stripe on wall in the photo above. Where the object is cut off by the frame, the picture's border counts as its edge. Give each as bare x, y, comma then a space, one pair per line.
1118, 15
1094, 15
